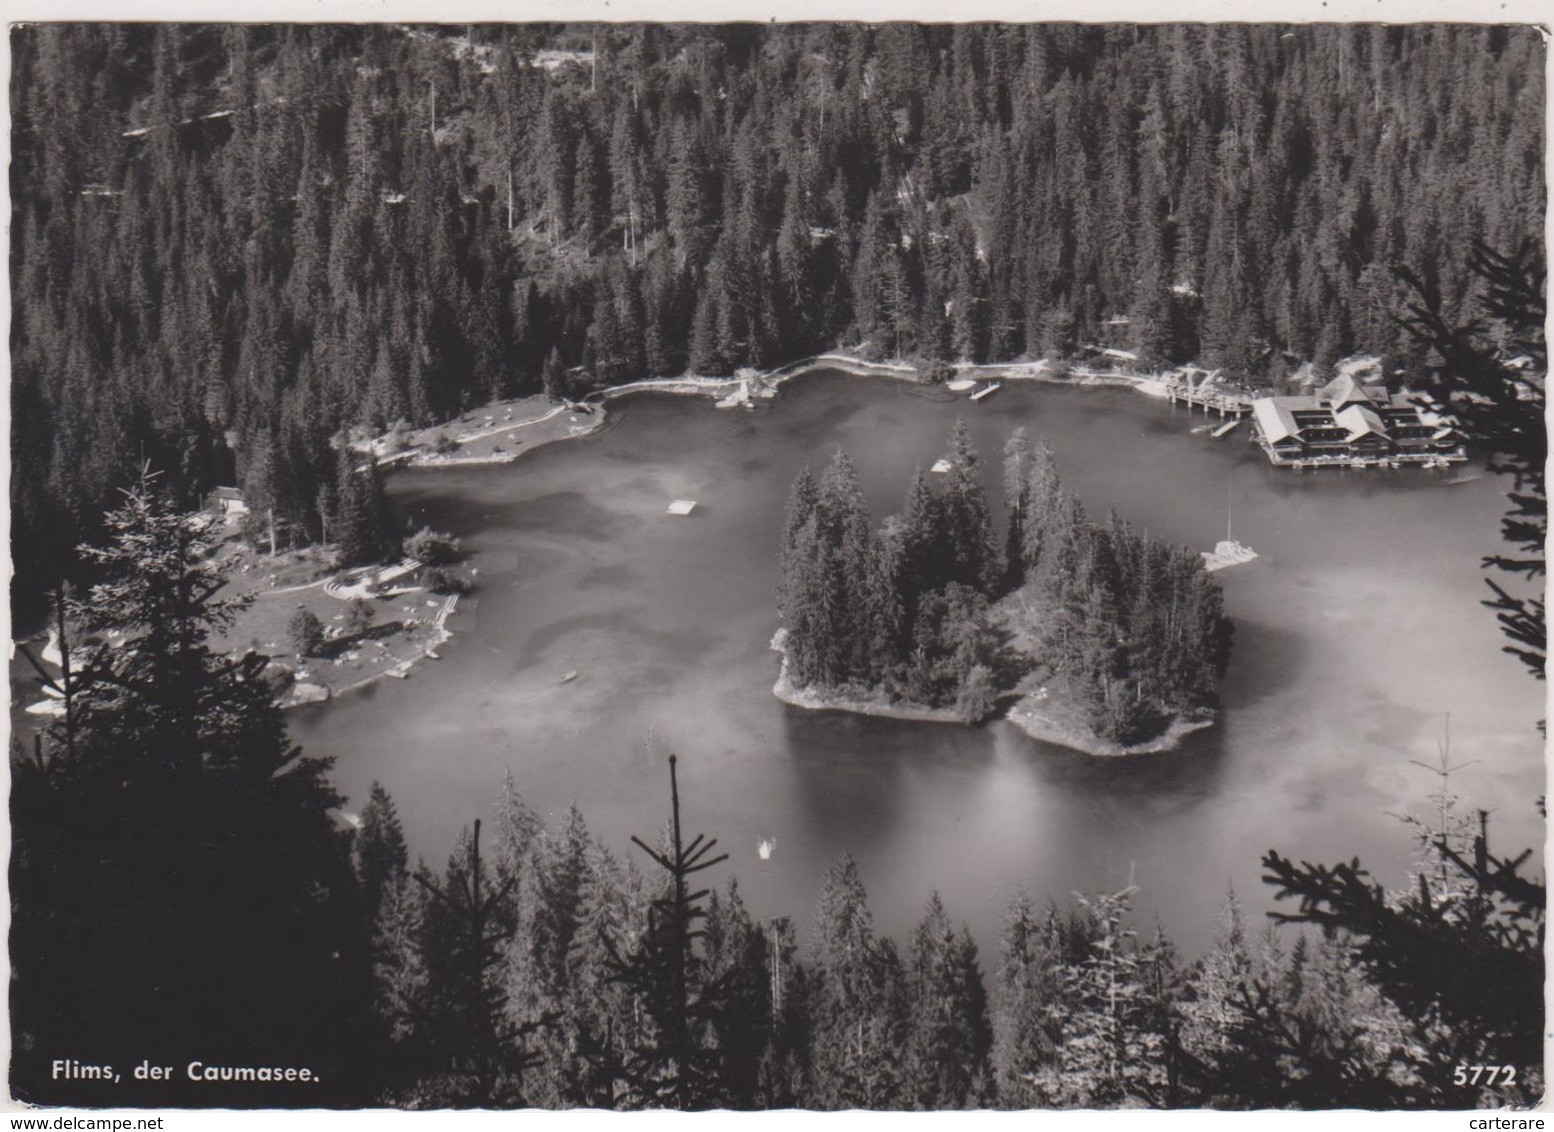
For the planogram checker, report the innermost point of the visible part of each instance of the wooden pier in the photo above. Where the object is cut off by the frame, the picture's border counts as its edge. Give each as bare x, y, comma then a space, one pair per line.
1205, 394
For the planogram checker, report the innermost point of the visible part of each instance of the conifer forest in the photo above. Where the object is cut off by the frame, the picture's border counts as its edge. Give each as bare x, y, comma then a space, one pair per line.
236, 251
231, 242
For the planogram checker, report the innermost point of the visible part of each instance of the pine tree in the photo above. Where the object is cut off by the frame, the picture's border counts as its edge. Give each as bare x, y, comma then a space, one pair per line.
1026, 1013
1112, 1053
1311, 1032
1504, 411
400, 980
1220, 981
948, 1034
479, 1054
707, 352
835, 607
603, 1019
306, 632
1041, 514
560, 869
847, 551
381, 858
858, 1011
755, 963
175, 862
1019, 458
1418, 947
797, 536
923, 560
968, 525
363, 520
674, 1065
554, 376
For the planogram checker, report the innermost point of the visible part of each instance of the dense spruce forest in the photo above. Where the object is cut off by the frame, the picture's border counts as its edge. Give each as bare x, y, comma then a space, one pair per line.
183, 889
231, 242
926, 611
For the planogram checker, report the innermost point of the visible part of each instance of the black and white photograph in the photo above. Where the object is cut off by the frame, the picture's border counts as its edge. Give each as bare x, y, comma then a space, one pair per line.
802, 563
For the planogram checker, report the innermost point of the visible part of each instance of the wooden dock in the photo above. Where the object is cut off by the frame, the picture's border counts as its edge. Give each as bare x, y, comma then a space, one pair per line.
1207, 395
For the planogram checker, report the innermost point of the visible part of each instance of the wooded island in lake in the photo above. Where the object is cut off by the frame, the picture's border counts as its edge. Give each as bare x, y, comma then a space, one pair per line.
1101, 631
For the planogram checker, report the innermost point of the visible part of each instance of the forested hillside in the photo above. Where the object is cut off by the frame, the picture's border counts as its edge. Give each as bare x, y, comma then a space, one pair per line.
229, 242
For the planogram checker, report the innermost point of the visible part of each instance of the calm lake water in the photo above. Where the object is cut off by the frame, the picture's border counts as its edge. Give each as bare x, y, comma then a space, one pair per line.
1357, 631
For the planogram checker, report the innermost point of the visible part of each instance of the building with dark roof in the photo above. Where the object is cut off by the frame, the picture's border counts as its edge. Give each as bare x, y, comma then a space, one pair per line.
1347, 423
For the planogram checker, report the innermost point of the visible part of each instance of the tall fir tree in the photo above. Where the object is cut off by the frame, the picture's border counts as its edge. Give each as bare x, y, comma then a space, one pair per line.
176, 863
859, 1009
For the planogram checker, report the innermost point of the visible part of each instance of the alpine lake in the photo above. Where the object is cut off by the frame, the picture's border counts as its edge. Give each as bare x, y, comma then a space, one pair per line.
1358, 629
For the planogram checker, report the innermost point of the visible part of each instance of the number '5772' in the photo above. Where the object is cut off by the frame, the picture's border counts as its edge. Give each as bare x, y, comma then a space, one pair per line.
1484, 1075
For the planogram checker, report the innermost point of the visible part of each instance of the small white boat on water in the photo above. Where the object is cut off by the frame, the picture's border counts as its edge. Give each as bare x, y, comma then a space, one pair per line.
1228, 551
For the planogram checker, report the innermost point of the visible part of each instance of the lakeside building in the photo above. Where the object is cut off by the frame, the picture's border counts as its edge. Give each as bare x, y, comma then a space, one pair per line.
1348, 424
227, 501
